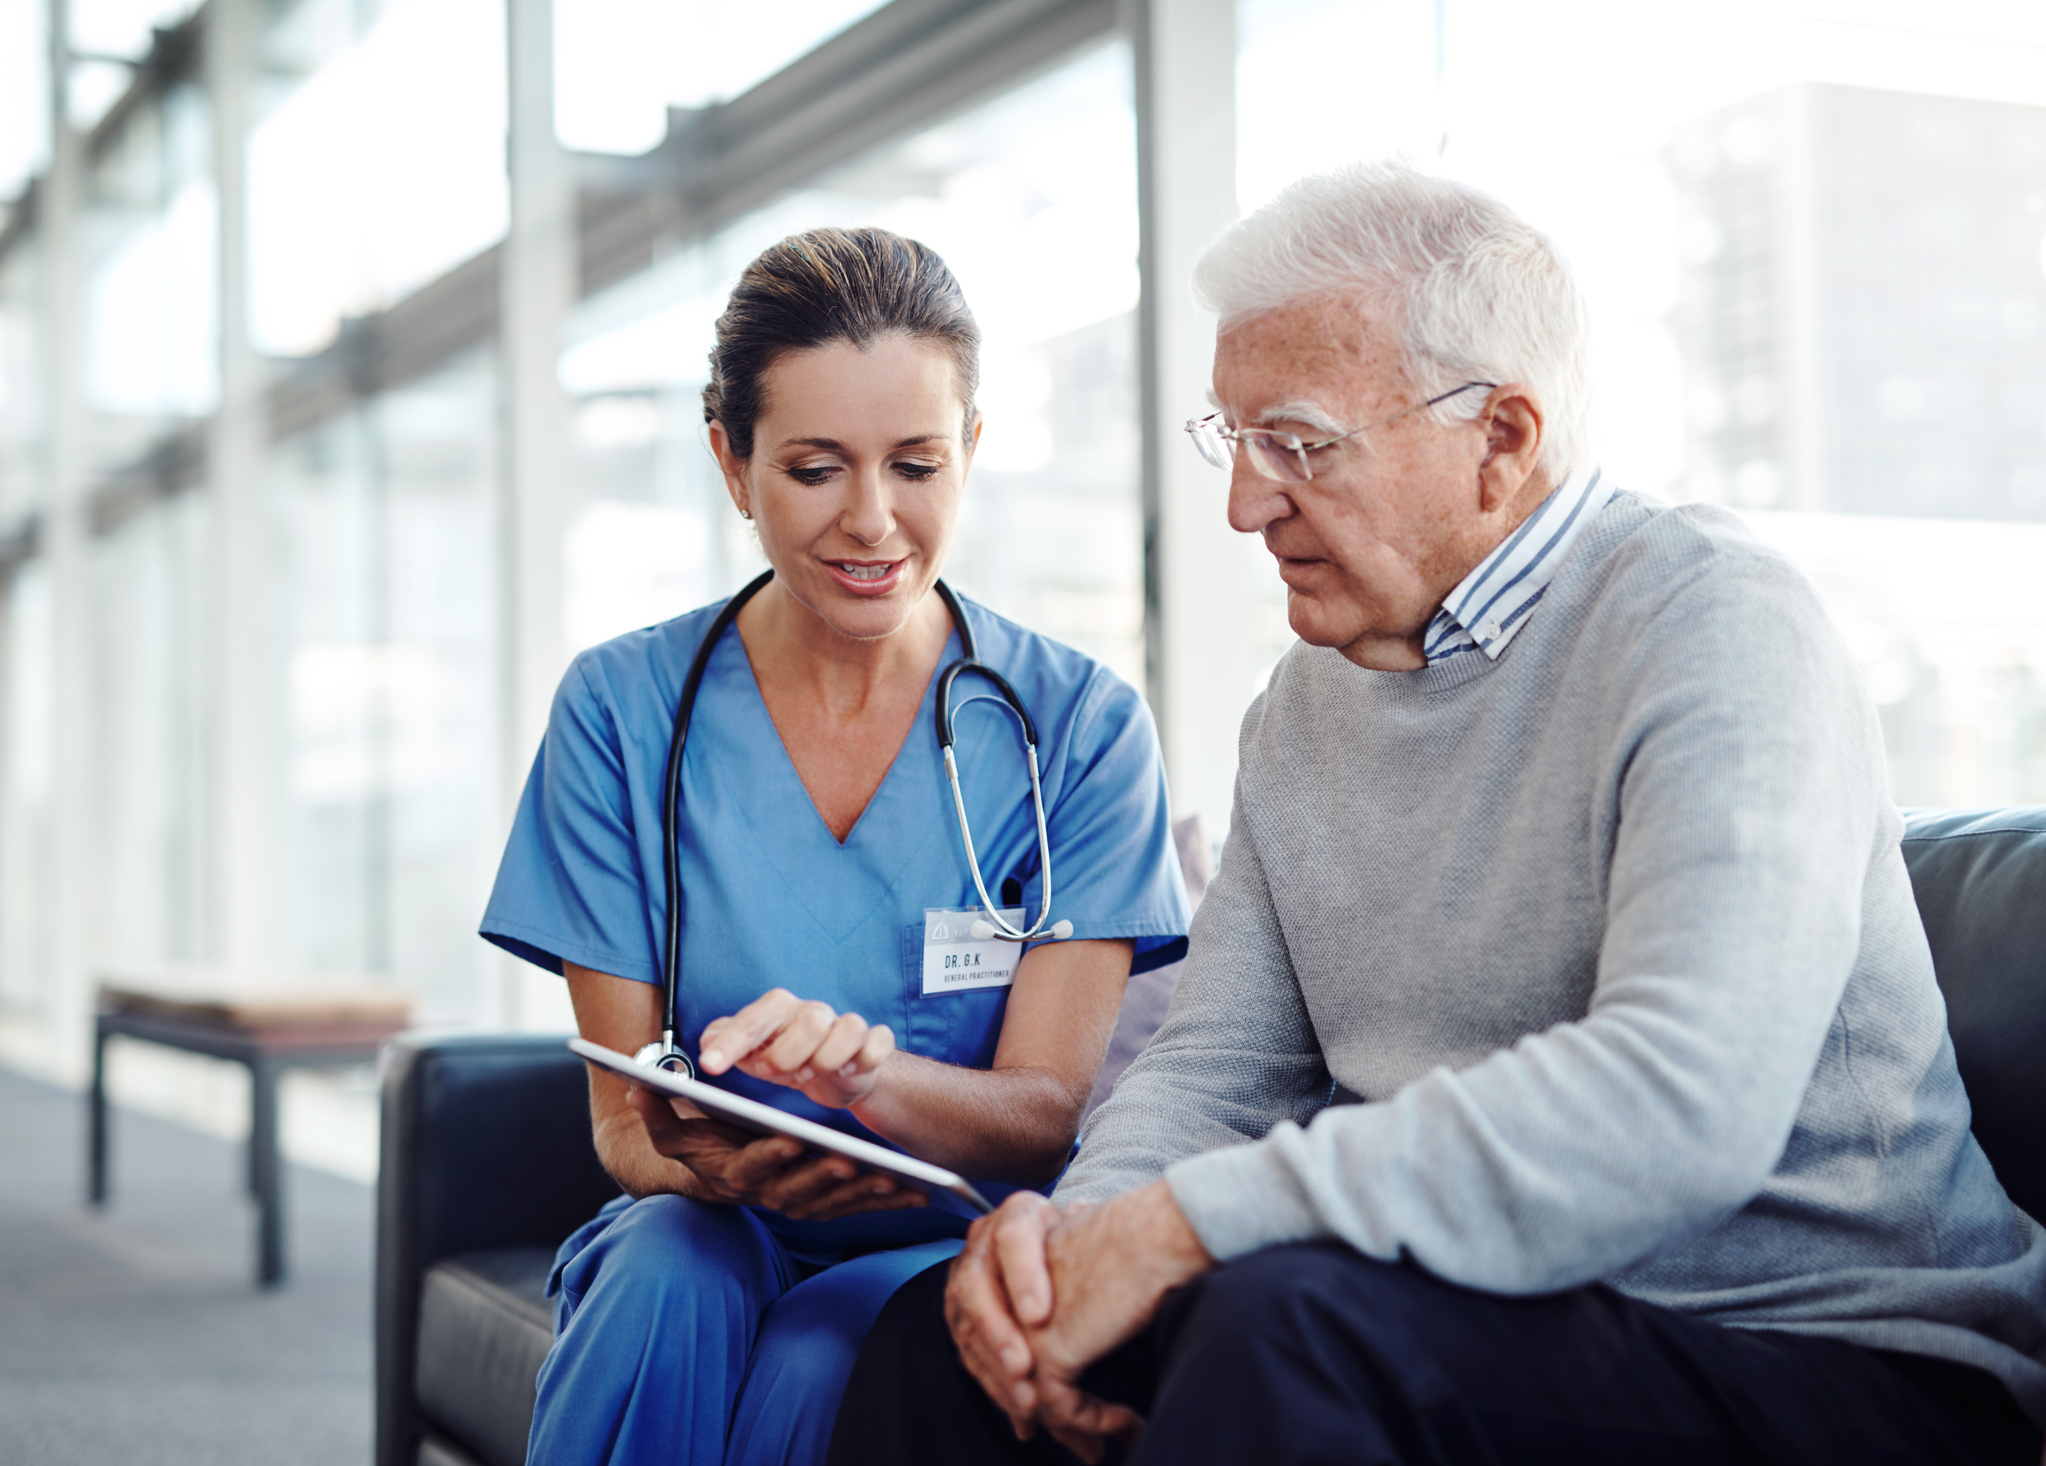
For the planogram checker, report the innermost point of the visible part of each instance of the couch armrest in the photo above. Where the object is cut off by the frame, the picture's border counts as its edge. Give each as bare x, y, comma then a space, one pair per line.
486, 1144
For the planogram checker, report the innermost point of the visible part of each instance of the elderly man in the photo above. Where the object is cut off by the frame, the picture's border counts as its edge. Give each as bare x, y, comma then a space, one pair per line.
1558, 1071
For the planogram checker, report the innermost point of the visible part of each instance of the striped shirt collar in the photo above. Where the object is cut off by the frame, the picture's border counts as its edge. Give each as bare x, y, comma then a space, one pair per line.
1487, 610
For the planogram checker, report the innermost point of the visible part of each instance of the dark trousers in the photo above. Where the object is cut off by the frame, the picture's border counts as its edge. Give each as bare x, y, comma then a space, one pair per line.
1313, 1353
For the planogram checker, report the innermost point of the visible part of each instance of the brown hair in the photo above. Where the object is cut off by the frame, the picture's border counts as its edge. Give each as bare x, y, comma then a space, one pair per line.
825, 285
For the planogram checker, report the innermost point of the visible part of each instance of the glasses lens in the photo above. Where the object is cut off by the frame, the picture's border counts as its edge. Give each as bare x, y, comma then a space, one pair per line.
1277, 457
1207, 436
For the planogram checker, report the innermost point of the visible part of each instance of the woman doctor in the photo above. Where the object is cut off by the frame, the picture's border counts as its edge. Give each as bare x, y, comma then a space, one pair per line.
713, 1312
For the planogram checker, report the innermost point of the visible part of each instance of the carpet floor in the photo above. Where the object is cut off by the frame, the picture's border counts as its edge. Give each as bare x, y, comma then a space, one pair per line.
135, 1334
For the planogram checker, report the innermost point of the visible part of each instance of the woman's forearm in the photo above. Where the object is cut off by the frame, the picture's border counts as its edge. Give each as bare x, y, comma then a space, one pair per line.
1012, 1124
626, 1151
1015, 1121
623, 1015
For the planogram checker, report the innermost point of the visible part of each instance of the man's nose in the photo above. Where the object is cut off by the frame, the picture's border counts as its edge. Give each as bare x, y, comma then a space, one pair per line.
1254, 500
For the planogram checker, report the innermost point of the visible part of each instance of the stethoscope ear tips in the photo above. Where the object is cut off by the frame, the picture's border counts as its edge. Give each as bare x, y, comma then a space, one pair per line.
981, 930
1060, 930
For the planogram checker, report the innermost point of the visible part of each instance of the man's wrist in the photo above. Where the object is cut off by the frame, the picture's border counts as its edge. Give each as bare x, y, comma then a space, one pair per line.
1169, 1247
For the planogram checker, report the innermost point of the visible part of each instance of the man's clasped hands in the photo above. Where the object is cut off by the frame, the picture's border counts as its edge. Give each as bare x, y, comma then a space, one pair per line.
1042, 1292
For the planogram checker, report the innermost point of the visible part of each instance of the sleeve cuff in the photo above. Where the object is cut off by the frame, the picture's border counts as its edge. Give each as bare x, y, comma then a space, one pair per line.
548, 951
1242, 1198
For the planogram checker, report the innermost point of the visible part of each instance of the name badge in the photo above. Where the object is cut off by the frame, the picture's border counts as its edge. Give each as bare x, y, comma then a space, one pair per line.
955, 961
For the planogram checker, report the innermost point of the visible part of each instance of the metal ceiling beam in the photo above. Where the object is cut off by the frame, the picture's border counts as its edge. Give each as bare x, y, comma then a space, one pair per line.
372, 353
19, 544
908, 65
172, 57
170, 465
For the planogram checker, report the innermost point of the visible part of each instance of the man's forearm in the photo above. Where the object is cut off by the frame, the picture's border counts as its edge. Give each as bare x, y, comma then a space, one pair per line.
1237, 1052
1152, 1239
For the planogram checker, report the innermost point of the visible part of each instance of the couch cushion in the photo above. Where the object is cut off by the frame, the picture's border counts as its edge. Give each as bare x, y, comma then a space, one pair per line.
438, 1450
1980, 879
484, 1328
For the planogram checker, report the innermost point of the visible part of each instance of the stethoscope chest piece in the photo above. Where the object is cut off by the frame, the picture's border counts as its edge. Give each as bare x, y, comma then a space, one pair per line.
663, 1054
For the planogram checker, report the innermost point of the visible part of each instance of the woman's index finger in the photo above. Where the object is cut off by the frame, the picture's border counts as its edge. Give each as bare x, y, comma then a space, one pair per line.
728, 1040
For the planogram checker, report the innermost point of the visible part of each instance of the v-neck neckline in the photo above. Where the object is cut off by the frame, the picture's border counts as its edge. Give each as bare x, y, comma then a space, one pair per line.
923, 708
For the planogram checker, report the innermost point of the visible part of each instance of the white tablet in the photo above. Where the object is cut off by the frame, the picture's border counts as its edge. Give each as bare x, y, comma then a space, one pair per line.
750, 1115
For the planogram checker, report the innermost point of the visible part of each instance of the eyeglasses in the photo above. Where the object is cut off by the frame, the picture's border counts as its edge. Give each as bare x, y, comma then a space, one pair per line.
1283, 456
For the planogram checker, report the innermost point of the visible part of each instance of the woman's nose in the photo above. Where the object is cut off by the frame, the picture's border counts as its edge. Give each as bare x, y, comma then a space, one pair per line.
870, 516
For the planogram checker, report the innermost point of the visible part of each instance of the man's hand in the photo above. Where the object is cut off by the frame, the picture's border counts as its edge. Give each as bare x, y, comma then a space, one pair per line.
1109, 1268
1038, 1296
997, 1286
736, 1168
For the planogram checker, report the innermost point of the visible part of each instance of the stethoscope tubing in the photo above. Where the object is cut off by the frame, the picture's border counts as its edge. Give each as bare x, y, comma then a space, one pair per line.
671, 805
970, 662
666, 1050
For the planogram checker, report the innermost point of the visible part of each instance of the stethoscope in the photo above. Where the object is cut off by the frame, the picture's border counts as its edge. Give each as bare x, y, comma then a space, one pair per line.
664, 1052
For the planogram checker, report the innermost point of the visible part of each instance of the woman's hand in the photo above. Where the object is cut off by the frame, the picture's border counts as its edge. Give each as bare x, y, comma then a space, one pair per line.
733, 1167
833, 1058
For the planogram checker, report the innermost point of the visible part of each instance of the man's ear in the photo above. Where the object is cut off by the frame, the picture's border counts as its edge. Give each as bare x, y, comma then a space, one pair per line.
1514, 425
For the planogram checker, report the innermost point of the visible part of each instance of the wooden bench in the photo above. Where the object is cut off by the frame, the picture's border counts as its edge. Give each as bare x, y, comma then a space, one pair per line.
267, 1026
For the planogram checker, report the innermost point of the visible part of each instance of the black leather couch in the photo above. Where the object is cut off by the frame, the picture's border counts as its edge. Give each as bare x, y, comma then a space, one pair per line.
486, 1166
487, 1161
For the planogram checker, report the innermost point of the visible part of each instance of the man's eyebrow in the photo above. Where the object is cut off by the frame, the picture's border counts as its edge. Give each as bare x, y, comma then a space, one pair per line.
1301, 411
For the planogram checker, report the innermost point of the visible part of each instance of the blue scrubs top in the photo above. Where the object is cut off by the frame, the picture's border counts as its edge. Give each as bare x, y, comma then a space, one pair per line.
771, 899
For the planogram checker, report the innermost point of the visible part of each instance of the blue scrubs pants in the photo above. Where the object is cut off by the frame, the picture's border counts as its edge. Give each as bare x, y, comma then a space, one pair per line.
687, 1333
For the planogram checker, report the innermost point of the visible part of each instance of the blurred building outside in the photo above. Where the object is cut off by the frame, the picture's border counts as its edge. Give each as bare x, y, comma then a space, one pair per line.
1863, 324
351, 352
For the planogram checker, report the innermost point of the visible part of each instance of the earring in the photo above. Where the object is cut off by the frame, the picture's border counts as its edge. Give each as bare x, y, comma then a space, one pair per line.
745, 513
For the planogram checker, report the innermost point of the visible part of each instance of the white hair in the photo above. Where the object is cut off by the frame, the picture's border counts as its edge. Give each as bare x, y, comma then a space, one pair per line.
1478, 293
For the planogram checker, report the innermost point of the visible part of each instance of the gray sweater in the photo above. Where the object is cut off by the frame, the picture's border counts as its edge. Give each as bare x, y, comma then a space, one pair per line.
1613, 940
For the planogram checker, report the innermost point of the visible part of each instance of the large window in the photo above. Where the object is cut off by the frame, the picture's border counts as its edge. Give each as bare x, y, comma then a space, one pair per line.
619, 65
25, 645
28, 888
379, 161
150, 760
150, 328
24, 98
386, 682
109, 41
23, 398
